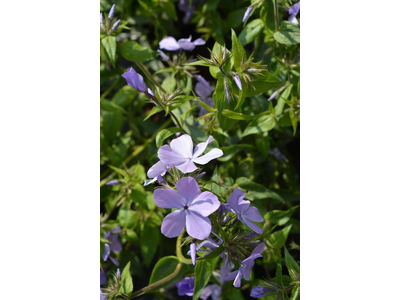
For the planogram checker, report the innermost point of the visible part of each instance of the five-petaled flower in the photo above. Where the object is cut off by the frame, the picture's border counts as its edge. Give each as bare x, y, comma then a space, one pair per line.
247, 265
181, 155
244, 211
169, 43
115, 245
193, 208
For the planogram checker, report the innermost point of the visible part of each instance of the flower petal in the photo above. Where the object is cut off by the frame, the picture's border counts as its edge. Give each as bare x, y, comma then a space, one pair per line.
169, 157
205, 204
106, 252
256, 228
231, 276
173, 224
201, 147
188, 189
169, 43
293, 19
199, 42
236, 198
197, 226
168, 199
157, 169
183, 145
259, 249
253, 214
187, 166
213, 154
193, 253
237, 282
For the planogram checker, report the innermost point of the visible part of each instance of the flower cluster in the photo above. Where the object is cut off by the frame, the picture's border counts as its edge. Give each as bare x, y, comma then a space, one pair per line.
203, 213
108, 25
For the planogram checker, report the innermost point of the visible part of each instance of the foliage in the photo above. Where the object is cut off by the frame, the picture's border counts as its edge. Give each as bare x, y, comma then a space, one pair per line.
242, 87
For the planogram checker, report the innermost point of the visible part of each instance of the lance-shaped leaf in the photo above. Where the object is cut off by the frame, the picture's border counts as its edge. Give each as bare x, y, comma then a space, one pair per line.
132, 51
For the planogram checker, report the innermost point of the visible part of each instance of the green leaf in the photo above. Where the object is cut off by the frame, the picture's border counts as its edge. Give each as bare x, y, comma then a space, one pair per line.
107, 105
238, 51
132, 51
205, 106
169, 83
125, 96
288, 34
263, 84
236, 116
262, 124
292, 265
119, 171
295, 293
279, 277
197, 63
202, 272
280, 217
257, 191
219, 96
270, 18
111, 125
230, 151
126, 281
127, 218
164, 134
148, 243
153, 111
278, 238
251, 31
110, 45
164, 267
294, 119
281, 100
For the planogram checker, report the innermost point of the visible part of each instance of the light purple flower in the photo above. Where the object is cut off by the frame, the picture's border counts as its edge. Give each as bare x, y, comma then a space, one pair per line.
181, 154
135, 80
163, 55
244, 211
102, 297
115, 245
193, 208
258, 291
212, 290
156, 171
293, 19
203, 90
238, 82
186, 286
247, 13
115, 26
101, 18
294, 9
103, 277
111, 13
113, 182
247, 265
272, 97
169, 43
193, 252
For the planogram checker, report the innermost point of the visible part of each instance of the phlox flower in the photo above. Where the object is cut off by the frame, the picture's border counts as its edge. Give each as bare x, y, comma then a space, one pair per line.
247, 265
258, 291
181, 155
136, 81
245, 213
293, 11
169, 43
186, 286
247, 13
115, 245
193, 208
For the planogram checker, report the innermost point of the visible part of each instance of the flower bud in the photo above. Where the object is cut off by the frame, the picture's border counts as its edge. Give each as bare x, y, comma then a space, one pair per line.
115, 26
238, 82
163, 55
111, 12
101, 18
247, 13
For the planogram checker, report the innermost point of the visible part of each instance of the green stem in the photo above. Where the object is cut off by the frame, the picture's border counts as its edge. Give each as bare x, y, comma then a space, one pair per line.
179, 254
149, 76
158, 283
276, 15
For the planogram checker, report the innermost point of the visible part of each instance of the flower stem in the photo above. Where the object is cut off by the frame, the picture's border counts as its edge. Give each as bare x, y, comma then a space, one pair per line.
157, 283
276, 15
179, 254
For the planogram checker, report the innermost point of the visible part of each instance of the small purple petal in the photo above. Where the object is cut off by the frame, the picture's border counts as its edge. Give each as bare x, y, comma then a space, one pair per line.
115, 262
197, 226
118, 273
272, 97
102, 297
169, 157
173, 224
163, 55
258, 292
294, 9
115, 26
293, 19
198, 176
111, 13
227, 95
186, 286
199, 42
256, 228
188, 189
113, 182
213, 154
101, 18
106, 252
193, 253
253, 214
205, 204
168, 199
103, 277
169, 43
183, 145
238, 82
247, 13
135, 80
157, 169
201, 147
